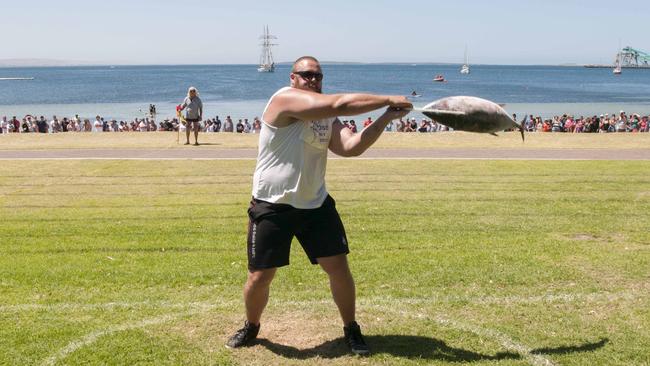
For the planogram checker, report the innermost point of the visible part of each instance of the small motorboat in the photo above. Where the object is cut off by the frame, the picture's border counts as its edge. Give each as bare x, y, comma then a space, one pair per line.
439, 78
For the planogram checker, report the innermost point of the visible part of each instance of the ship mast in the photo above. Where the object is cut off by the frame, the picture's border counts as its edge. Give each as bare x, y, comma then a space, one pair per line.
266, 58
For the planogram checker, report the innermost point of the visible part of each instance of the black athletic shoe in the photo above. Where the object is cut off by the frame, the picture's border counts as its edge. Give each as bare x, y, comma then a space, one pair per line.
354, 339
244, 336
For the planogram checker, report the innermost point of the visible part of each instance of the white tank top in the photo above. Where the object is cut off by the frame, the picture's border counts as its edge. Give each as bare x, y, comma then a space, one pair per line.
291, 162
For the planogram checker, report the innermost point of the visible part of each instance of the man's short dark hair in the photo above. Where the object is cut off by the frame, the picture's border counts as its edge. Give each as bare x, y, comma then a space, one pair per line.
293, 68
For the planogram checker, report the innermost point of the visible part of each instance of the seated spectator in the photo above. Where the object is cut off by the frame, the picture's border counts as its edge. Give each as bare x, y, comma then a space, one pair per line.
353, 126
257, 125
424, 126
142, 126
411, 126
569, 124
557, 125
401, 125
604, 124
633, 124
209, 127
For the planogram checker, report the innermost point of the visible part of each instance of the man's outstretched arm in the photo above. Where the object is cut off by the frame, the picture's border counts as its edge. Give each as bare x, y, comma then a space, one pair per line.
304, 105
346, 143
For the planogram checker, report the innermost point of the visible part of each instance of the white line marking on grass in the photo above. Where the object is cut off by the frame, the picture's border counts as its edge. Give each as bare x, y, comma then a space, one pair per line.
487, 300
505, 341
111, 306
94, 336
514, 300
199, 308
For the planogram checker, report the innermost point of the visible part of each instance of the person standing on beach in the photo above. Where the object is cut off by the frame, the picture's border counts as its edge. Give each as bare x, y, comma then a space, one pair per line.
193, 114
217, 124
228, 125
299, 125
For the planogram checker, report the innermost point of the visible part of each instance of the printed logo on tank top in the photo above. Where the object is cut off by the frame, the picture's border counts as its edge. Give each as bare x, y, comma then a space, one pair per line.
320, 130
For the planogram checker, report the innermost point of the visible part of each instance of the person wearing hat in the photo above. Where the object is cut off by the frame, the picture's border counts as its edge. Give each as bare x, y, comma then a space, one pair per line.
604, 124
193, 107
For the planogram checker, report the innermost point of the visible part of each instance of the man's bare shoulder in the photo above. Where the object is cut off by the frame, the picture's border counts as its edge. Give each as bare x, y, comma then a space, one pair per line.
280, 111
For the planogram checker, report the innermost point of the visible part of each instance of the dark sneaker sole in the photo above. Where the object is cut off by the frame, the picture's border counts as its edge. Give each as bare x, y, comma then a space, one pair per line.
361, 352
248, 344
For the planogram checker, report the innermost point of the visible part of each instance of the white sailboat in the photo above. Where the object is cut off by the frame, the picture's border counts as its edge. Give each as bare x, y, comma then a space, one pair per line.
617, 65
266, 58
465, 68
617, 62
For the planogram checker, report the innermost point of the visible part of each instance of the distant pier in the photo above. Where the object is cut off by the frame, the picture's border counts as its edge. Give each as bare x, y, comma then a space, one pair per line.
627, 58
612, 66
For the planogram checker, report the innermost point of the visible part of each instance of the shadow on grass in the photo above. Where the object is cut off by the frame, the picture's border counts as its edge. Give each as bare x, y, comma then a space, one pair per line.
413, 347
587, 347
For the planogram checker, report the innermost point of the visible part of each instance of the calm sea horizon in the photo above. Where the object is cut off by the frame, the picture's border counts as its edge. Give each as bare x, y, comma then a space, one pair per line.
125, 92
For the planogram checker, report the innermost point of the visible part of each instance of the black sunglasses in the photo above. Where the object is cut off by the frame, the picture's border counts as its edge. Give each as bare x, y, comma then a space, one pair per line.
309, 75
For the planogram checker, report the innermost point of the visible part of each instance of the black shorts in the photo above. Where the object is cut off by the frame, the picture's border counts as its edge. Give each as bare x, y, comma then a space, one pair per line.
272, 226
192, 124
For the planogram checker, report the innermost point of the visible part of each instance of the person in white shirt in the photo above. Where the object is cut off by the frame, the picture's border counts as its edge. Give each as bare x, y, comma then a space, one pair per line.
299, 126
98, 126
193, 107
142, 126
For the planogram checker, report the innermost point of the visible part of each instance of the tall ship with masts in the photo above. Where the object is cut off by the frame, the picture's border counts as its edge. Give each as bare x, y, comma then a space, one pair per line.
266, 58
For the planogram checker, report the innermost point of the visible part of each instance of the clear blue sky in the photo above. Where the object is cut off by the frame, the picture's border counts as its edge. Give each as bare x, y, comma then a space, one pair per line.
213, 31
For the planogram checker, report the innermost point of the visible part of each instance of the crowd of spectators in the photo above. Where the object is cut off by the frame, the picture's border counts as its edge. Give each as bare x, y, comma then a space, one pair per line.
620, 122
31, 124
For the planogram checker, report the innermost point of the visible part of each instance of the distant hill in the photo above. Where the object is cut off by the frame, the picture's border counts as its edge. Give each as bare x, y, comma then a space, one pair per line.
40, 62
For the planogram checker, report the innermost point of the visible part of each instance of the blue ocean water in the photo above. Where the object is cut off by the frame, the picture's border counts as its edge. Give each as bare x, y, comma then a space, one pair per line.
242, 85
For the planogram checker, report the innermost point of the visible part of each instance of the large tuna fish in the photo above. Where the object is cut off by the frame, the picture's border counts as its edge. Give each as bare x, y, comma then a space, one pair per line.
470, 114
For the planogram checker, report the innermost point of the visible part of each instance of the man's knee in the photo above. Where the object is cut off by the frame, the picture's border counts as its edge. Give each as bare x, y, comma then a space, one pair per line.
335, 265
261, 278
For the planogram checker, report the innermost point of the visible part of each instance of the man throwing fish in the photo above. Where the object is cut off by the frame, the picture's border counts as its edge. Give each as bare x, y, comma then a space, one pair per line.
299, 126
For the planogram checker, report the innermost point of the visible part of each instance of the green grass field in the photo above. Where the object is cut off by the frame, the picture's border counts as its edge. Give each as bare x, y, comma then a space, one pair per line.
489, 262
